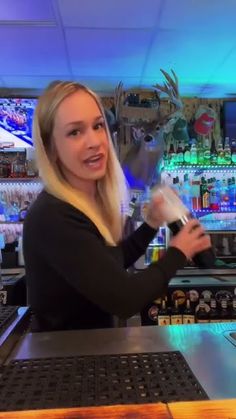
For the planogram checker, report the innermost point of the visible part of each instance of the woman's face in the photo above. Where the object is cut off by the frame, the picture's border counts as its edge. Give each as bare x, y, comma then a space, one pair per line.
81, 141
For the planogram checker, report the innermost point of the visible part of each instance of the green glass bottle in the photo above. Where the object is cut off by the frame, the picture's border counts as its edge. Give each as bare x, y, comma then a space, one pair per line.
227, 152
213, 158
193, 153
207, 153
220, 153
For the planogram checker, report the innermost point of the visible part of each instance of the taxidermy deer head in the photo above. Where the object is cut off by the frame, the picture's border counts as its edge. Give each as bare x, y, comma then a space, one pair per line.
141, 163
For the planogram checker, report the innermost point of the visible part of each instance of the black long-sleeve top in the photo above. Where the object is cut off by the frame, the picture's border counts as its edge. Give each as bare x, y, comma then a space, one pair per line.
76, 281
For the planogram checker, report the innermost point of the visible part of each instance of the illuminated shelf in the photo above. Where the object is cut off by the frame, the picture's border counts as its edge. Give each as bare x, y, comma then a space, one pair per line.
157, 245
211, 211
199, 168
11, 222
226, 256
12, 150
221, 232
20, 179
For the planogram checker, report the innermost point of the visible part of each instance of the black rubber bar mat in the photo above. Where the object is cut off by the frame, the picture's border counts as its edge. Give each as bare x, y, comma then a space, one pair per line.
7, 313
97, 380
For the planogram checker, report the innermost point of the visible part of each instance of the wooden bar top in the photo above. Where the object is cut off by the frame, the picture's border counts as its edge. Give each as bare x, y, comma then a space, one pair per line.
145, 411
209, 409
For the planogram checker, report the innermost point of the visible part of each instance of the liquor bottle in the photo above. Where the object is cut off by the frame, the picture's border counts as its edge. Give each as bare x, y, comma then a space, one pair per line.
200, 152
193, 153
233, 151
214, 314
7, 167
213, 158
210, 184
234, 246
202, 315
18, 166
207, 153
23, 211
188, 314
171, 154
214, 196
220, 153
224, 312
233, 311
176, 316
186, 192
229, 187
225, 246
2, 169
205, 194
180, 154
227, 152
224, 196
233, 185
232, 192
31, 167
3, 293
187, 154
195, 194
163, 315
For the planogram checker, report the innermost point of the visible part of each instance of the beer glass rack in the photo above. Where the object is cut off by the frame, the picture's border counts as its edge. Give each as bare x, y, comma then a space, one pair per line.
7, 313
97, 380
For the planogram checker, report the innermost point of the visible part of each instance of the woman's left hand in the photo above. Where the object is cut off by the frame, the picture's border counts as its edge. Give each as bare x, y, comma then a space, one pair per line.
151, 214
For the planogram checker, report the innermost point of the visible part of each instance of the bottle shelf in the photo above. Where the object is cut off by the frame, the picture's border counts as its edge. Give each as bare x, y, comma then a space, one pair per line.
222, 232
159, 245
20, 179
206, 211
11, 222
226, 256
198, 168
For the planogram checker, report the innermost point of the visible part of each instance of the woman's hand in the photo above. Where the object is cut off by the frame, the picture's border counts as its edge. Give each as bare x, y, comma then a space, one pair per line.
151, 214
191, 239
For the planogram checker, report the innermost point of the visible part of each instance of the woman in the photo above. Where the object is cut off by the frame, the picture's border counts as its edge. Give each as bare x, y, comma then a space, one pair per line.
75, 257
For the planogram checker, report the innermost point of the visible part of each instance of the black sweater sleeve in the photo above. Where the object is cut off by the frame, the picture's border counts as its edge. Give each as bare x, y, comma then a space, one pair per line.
136, 244
74, 249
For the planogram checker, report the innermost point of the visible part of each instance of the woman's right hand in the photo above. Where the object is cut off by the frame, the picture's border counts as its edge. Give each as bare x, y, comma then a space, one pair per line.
191, 239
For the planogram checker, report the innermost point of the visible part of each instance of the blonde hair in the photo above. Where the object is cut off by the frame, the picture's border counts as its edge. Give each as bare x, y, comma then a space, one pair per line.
112, 190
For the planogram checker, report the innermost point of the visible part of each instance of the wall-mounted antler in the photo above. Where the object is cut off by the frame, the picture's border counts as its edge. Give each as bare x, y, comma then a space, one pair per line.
118, 99
171, 89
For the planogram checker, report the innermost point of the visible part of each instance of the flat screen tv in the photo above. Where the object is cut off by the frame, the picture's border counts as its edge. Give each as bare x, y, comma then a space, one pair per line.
16, 118
229, 118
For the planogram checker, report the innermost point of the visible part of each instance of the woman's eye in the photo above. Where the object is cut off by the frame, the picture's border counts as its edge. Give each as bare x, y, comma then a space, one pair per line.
100, 125
74, 133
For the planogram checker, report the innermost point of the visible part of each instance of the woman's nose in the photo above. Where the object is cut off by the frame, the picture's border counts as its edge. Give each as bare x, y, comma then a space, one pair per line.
93, 139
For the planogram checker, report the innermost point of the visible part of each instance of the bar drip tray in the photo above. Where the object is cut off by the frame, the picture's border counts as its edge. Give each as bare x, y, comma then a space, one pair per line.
231, 336
97, 380
7, 314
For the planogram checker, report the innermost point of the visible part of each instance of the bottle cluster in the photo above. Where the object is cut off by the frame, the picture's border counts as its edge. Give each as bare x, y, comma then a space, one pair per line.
15, 199
16, 165
202, 313
200, 193
202, 152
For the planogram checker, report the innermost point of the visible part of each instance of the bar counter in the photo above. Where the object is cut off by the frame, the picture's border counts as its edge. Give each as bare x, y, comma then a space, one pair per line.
209, 349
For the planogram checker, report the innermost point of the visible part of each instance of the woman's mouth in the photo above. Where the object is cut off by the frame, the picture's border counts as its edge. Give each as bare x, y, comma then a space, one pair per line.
95, 162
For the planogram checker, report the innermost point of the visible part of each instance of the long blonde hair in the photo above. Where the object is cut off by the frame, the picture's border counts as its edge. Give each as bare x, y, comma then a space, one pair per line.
112, 190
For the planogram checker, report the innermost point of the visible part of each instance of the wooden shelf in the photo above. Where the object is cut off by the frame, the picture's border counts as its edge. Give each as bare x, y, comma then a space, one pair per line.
133, 112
